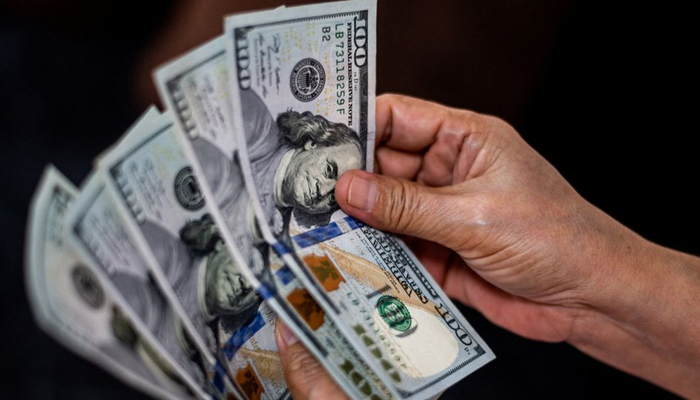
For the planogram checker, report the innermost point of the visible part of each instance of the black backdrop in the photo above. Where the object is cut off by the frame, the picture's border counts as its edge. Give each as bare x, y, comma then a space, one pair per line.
606, 92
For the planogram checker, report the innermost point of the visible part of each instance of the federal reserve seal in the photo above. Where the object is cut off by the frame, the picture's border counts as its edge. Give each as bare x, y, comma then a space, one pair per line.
87, 286
307, 80
187, 190
394, 313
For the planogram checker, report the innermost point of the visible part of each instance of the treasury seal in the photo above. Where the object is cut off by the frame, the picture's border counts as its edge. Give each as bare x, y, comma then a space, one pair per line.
307, 80
87, 286
394, 313
187, 190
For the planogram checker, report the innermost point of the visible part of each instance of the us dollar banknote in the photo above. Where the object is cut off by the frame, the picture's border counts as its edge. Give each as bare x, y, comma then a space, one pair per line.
105, 205
155, 183
74, 305
99, 232
195, 89
303, 109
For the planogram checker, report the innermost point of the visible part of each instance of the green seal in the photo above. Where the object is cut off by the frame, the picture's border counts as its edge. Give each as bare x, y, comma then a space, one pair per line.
394, 313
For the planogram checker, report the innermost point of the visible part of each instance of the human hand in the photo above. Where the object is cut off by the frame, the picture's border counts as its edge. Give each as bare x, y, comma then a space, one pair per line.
502, 231
306, 377
475, 193
498, 227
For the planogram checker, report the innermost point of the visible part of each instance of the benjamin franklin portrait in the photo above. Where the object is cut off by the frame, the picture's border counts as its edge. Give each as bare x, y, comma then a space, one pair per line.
224, 293
296, 159
204, 277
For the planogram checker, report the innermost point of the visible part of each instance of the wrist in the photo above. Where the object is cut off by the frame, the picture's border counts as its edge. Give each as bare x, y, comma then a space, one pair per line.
642, 310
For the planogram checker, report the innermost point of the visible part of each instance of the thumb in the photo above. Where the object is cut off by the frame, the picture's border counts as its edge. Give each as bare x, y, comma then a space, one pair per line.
400, 206
306, 377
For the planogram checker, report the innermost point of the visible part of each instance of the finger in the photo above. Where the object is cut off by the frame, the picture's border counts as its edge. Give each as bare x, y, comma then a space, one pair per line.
411, 125
442, 160
519, 315
460, 283
306, 377
398, 163
408, 208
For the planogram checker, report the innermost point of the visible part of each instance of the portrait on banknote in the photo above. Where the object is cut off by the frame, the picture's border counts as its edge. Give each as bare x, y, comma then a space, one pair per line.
296, 159
172, 218
225, 179
304, 93
202, 114
223, 291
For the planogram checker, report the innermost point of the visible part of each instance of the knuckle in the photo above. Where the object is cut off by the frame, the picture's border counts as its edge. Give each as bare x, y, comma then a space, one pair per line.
469, 221
393, 97
302, 361
467, 115
402, 207
500, 126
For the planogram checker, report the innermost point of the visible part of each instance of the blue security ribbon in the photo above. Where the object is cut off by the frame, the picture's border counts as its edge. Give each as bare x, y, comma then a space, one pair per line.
266, 291
280, 248
285, 274
242, 335
324, 233
353, 223
219, 374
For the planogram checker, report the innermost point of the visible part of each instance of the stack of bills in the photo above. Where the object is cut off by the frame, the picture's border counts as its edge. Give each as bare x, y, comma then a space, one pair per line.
204, 224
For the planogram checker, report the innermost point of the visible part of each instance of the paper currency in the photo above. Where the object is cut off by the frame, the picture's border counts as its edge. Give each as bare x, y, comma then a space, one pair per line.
303, 108
99, 205
203, 225
155, 182
71, 302
98, 232
189, 86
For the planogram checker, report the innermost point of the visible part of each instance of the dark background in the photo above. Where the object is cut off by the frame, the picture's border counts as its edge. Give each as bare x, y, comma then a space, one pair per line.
606, 92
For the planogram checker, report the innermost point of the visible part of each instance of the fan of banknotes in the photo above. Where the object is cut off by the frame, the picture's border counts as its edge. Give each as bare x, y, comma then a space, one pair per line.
204, 224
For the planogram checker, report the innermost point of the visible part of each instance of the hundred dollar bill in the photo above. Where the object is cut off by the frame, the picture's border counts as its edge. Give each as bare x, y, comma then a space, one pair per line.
218, 384
99, 233
156, 185
75, 306
303, 96
195, 88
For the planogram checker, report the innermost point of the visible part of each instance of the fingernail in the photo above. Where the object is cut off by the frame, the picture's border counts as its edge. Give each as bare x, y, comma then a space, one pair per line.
362, 193
288, 337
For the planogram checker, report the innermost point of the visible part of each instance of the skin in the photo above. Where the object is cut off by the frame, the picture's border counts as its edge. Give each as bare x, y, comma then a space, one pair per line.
313, 172
227, 290
502, 231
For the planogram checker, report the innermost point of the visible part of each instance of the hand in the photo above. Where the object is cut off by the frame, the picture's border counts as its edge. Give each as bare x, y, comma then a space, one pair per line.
306, 377
478, 196
501, 230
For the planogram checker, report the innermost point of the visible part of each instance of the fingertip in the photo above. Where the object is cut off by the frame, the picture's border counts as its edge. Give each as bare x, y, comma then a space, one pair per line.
342, 188
284, 336
281, 346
